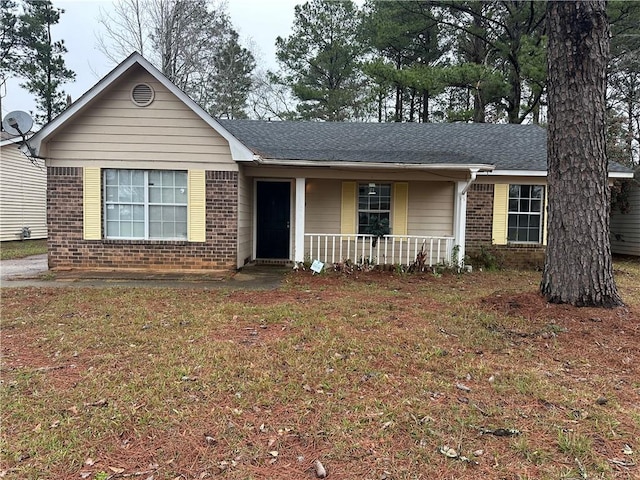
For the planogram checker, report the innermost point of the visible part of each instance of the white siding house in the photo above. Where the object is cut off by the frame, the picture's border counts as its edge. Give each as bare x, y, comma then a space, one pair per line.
23, 194
625, 227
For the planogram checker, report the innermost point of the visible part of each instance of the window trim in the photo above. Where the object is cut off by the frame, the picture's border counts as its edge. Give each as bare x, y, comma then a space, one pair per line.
540, 214
146, 206
358, 210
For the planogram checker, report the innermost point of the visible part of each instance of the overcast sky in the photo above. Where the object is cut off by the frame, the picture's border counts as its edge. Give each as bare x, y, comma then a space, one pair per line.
258, 22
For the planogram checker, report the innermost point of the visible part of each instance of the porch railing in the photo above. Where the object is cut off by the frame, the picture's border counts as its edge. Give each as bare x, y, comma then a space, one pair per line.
389, 250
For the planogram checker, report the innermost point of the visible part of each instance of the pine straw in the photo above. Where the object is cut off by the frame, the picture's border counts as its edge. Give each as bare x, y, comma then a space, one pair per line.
369, 373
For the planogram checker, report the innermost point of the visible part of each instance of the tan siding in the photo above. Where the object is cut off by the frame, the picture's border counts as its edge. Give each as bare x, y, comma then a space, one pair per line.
625, 227
23, 195
430, 208
245, 218
322, 213
113, 128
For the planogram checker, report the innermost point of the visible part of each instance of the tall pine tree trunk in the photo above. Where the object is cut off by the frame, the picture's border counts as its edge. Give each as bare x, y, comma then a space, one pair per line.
578, 267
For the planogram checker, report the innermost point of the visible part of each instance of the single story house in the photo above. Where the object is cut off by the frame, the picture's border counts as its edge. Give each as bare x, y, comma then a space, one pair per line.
141, 177
23, 193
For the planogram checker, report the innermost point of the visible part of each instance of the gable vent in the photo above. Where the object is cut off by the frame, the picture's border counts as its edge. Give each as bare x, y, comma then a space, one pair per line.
142, 94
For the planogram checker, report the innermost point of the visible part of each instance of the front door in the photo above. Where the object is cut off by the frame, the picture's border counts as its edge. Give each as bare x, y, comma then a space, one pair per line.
273, 219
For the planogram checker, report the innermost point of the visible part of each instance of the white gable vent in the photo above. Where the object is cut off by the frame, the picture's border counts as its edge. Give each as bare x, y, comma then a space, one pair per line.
142, 94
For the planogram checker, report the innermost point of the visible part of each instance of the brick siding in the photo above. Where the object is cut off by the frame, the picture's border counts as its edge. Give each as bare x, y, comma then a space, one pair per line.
67, 249
479, 241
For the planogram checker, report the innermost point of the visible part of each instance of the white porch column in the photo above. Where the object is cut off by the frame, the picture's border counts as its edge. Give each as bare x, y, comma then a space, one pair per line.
460, 218
298, 248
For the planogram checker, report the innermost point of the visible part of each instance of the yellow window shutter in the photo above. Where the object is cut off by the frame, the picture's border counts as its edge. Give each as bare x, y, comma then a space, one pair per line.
348, 212
500, 213
400, 208
91, 204
196, 211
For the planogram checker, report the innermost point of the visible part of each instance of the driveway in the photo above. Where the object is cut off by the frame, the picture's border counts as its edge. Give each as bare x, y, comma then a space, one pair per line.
32, 272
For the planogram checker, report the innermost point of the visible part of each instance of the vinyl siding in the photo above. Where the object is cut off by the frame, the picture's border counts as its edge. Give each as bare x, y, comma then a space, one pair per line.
113, 128
625, 227
429, 212
245, 219
430, 208
23, 195
323, 211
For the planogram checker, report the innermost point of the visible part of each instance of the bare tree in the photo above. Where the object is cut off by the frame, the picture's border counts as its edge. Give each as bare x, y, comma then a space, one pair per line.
191, 41
578, 266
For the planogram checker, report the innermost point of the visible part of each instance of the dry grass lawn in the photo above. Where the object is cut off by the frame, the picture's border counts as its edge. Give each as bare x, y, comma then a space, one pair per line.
376, 375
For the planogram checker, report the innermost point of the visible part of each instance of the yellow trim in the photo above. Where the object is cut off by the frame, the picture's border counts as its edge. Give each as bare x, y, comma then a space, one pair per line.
348, 209
500, 213
400, 208
196, 211
91, 204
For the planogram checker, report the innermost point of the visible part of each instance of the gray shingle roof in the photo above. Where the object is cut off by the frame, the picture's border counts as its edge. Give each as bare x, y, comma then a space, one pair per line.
506, 146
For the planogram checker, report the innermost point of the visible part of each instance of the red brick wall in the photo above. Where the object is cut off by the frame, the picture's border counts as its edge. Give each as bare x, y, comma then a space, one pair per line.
479, 242
479, 215
67, 249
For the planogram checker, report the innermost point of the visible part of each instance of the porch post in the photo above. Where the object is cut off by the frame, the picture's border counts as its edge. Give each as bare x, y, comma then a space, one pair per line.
298, 249
460, 219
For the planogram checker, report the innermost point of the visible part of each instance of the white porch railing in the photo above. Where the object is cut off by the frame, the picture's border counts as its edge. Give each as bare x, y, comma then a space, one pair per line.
389, 250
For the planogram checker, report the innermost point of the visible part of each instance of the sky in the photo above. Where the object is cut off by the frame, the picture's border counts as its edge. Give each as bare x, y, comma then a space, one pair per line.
258, 22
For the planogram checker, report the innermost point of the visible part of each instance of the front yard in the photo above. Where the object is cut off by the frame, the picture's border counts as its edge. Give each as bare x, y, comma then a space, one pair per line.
376, 375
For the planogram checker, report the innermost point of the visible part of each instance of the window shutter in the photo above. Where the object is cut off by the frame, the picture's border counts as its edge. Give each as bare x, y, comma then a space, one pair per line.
500, 213
348, 212
91, 204
196, 216
196, 211
400, 208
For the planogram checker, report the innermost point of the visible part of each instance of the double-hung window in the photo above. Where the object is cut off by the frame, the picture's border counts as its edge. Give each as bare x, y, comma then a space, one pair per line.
374, 206
145, 204
525, 222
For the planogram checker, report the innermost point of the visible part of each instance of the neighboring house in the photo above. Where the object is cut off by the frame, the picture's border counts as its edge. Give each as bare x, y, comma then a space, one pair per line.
141, 177
23, 193
625, 227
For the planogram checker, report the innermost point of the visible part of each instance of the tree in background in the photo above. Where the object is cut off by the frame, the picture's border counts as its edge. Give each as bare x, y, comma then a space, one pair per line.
321, 59
406, 51
192, 42
40, 60
578, 266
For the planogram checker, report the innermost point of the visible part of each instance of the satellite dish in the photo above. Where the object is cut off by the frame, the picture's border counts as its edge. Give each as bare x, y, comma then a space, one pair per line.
17, 123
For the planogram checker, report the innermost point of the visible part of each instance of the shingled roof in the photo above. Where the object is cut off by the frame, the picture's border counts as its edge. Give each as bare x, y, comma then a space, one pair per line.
508, 147
504, 146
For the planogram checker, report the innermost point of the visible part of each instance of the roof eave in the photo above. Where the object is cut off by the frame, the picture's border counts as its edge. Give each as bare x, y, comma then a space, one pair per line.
543, 173
373, 165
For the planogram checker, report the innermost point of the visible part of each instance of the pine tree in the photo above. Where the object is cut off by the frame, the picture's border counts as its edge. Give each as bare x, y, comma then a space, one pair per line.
41, 63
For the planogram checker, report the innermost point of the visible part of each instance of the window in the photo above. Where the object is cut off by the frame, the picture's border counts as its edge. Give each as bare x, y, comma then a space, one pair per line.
525, 213
374, 207
142, 204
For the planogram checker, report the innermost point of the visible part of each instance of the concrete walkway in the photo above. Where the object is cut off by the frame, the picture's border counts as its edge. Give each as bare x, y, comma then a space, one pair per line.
33, 272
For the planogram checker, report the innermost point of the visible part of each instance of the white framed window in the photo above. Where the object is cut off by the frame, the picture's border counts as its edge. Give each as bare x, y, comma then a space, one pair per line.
374, 207
526, 210
145, 204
